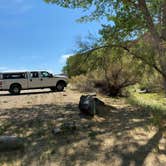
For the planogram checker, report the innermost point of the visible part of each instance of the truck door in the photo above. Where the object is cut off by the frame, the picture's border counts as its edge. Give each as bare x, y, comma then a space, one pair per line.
47, 79
35, 80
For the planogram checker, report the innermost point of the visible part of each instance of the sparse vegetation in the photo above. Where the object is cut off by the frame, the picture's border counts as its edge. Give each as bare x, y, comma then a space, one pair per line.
83, 83
105, 72
121, 129
153, 103
128, 55
137, 27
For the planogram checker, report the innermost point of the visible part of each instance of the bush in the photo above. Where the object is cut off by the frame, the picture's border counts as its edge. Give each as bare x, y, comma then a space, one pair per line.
151, 82
154, 104
96, 81
111, 74
82, 83
118, 74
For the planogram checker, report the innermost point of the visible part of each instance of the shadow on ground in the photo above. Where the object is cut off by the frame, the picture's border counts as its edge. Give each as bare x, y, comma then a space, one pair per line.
106, 140
27, 93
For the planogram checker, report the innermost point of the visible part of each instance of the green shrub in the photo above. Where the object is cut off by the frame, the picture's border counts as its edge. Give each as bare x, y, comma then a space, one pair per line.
152, 82
82, 83
154, 104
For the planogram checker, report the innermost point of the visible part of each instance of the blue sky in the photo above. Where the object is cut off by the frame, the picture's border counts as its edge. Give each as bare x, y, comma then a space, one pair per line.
38, 36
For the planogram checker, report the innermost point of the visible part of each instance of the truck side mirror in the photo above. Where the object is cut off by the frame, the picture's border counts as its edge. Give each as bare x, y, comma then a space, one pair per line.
51, 75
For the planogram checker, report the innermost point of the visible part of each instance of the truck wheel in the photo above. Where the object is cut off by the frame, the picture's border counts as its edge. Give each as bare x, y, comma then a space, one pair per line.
60, 86
15, 89
53, 89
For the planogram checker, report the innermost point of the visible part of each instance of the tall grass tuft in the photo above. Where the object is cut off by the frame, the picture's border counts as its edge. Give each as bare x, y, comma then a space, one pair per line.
153, 103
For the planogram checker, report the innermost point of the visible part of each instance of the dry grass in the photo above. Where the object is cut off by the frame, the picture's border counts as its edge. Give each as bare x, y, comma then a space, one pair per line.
153, 103
117, 137
153, 100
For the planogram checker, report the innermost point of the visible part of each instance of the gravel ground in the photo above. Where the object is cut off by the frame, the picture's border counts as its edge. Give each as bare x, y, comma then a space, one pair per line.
119, 136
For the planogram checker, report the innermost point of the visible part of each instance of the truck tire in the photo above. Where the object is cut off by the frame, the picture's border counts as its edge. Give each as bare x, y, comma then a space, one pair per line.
53, 89
15, 89
60, 86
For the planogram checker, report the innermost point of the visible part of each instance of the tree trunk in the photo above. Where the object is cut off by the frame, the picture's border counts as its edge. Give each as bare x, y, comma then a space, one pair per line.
164, 83
163, 67
159, 40
114, 91
163, 20
150, 24
163, 44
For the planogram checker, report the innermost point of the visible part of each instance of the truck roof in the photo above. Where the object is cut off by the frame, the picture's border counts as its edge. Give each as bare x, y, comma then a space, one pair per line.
7, 72
12, 72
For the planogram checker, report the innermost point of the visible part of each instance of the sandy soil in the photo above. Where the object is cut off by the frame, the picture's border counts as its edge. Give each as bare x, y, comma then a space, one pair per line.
120, 136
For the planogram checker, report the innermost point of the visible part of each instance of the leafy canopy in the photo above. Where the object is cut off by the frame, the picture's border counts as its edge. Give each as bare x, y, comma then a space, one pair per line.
127, 20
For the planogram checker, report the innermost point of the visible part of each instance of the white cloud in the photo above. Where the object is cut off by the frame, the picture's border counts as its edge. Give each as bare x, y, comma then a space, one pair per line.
64, 58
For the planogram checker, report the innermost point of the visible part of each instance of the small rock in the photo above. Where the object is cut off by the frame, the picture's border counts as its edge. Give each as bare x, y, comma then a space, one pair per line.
68, 126
56, 131
65, 127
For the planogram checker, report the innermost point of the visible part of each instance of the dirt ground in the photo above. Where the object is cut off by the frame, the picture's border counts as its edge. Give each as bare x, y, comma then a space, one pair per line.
120, 136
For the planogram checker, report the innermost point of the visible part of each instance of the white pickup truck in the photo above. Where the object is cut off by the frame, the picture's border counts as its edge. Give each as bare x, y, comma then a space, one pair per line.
14, 82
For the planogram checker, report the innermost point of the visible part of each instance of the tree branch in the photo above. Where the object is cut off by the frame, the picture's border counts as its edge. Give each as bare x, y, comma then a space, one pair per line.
149, 21
88, 52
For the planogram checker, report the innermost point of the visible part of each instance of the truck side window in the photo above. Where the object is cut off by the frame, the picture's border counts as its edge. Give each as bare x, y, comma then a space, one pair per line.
45, 74
14, 76
34, 75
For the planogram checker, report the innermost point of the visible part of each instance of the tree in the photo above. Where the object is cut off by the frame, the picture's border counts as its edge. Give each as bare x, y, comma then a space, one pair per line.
110, 71
72, 67
129, 20
118, 72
